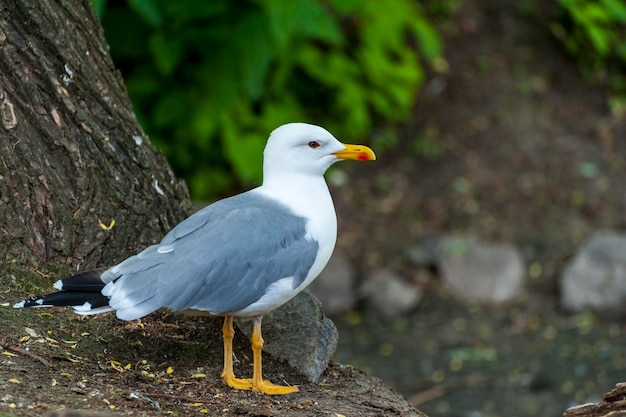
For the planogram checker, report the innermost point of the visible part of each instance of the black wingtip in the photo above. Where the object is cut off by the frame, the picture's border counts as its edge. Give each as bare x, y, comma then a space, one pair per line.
36, 301
74, 291
65, 299
88, 281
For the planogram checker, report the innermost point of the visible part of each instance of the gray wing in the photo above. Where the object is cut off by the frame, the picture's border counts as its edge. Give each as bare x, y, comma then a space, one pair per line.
221, 259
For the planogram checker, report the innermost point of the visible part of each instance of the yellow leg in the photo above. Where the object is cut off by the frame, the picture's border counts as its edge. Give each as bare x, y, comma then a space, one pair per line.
229, 377
258, 384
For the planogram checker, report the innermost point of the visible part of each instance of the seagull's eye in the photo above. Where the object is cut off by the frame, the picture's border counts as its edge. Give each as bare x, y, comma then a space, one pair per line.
314, 144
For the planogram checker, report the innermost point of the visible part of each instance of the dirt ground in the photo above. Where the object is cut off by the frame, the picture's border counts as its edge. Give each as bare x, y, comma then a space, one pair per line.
521, 149
163, 365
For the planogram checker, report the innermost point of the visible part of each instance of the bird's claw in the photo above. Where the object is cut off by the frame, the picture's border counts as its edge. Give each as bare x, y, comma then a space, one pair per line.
238, 383
268, 388
264, 386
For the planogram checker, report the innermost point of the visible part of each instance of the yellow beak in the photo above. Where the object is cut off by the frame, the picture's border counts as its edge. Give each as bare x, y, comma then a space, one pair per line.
356, 152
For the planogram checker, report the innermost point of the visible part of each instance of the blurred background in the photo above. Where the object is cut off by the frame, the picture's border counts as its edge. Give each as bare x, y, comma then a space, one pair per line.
480, 263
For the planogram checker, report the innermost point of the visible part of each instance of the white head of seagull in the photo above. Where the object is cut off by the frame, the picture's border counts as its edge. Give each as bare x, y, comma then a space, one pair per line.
305, 149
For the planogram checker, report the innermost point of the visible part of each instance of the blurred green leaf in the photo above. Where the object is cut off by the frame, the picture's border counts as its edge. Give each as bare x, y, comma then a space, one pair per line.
289, 20
148, 10
428, 38
594, 32
251, 43
210, 80
616, 8
243, 150
598, 38
99, 6
189, 11
595, 13
167, 52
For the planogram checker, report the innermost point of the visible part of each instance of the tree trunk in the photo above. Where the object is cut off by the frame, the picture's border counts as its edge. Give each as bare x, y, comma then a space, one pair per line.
79, 180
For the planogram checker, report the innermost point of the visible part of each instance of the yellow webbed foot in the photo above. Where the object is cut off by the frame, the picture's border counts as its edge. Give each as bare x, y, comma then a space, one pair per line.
268, 388
237, 383
256, 383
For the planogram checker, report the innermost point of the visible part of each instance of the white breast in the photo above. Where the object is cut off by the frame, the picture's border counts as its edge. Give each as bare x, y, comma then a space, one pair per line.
307, 197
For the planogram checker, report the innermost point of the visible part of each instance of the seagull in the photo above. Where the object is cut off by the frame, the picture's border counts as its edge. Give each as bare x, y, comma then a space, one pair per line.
242, 256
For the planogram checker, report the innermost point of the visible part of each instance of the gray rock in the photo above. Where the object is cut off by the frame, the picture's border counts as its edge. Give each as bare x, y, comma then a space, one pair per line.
388, 294
335, 287
299, 334
427, 253
596, 278
481, 272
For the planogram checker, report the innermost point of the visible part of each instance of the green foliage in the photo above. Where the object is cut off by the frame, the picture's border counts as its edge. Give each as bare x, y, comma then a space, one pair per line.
594, 31
210, 79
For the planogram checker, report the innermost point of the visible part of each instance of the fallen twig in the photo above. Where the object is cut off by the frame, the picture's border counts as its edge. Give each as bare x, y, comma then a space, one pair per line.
150, 394
174, 397
440, 390
29, 354
429, 394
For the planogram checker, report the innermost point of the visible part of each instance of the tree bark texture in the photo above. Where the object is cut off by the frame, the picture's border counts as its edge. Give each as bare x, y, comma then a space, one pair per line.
79, 180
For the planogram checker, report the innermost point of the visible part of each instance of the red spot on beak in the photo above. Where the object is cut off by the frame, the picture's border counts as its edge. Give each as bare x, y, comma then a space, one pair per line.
363, 157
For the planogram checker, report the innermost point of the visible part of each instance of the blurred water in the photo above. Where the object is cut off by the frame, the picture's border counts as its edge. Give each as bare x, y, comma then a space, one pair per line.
459, 360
